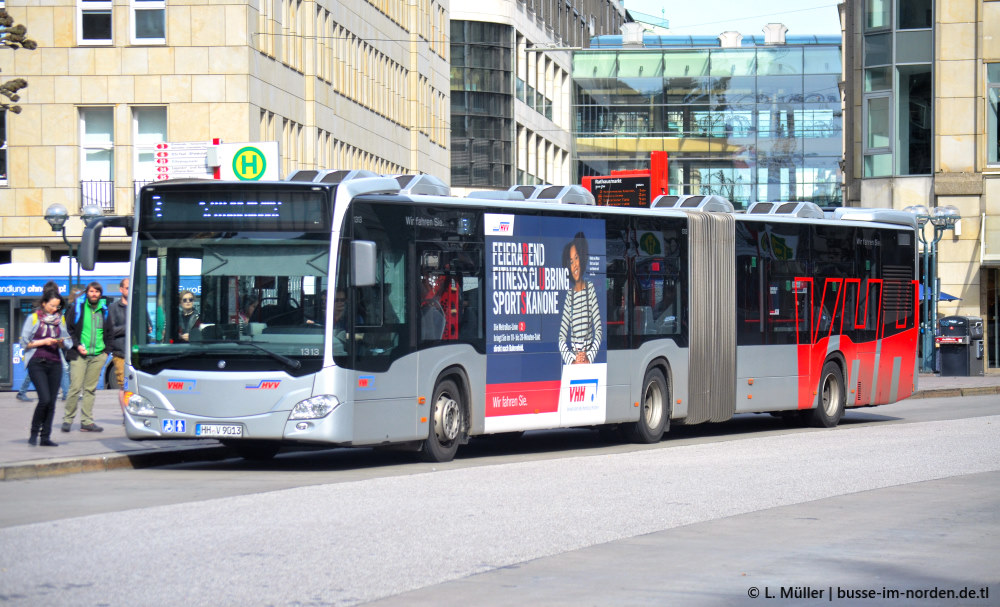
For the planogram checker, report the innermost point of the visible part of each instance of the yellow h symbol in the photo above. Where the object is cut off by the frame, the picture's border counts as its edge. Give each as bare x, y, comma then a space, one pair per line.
249, 164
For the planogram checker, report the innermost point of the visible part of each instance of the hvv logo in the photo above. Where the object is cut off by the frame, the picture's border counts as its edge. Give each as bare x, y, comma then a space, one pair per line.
578, 391
499, 225
264, 385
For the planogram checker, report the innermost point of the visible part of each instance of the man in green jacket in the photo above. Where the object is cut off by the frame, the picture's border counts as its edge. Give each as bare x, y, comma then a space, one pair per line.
85, 319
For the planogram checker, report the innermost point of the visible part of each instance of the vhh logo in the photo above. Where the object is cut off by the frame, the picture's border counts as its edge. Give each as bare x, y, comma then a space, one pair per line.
180, 385
578, 391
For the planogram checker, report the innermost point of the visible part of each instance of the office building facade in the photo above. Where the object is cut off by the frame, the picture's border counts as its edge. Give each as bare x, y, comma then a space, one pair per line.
747, 118
355, 85
922, 90
511, 90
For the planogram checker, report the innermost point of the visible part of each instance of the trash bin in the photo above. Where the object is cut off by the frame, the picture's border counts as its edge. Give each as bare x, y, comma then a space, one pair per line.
960, 344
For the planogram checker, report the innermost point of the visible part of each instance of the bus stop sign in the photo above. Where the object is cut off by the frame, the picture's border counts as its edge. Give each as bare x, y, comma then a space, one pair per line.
249, 161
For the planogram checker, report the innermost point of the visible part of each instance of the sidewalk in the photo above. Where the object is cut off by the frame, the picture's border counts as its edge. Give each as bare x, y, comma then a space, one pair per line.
86, 451
109, 450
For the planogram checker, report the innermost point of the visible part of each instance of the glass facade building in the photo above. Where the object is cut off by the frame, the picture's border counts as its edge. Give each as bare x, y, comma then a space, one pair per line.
750, 123
482, 103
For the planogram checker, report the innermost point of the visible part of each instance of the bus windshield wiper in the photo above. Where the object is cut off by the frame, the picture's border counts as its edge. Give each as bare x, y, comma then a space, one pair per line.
289, 362
159, 360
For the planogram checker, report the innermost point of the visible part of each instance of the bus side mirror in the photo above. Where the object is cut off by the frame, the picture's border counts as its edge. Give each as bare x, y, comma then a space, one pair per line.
363, 262
91, 238
87, 253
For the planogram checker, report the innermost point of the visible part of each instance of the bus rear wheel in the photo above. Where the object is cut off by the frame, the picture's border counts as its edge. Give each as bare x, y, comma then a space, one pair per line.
654, 410
832, 398
447, 424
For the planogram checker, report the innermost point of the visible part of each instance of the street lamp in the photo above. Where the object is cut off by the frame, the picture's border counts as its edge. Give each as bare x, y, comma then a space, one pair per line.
56, 216
942, 219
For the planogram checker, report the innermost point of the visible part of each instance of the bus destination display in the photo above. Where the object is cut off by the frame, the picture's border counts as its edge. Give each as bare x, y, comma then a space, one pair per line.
222, 209
621, 191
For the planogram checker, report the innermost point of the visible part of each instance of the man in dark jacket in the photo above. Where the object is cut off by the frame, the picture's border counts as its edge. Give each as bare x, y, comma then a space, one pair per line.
117, 319
86, 319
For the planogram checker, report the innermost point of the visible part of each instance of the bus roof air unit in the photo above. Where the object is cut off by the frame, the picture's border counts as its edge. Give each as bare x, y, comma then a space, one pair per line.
511, 194
892, 216
527, 191
421, 184
566, 194
712, 203
805, 210
330, 176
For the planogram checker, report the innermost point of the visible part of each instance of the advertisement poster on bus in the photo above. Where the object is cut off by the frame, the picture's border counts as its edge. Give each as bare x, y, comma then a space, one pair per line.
546, 337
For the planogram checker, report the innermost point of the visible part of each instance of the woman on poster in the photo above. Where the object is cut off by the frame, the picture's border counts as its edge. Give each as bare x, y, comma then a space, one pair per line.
580, 330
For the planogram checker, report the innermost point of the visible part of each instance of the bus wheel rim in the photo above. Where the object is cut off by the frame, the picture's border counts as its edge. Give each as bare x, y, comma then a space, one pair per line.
831, 394
652, 406
446, 418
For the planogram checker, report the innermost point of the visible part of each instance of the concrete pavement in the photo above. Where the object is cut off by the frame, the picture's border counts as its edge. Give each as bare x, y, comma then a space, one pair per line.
85, 451
109, 450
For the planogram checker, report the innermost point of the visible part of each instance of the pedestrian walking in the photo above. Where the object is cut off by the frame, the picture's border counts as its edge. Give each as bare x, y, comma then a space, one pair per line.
86, 320
26, 385
117, 320
44, 333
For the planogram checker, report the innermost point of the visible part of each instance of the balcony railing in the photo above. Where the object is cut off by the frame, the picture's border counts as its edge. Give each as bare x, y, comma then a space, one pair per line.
100, 193
137, 185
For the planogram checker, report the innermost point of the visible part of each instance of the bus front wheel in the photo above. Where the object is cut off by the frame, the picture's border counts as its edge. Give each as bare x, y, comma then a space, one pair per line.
447, 423
654, 410
832, 398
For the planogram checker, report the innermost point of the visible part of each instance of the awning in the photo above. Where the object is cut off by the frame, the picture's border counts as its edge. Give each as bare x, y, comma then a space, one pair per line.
942, 296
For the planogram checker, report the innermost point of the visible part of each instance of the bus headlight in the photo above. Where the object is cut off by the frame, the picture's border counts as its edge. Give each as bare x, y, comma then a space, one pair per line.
315, 407
139, 405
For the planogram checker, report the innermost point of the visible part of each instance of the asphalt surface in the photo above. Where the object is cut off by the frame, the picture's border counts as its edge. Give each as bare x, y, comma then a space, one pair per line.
110, 450
865, 507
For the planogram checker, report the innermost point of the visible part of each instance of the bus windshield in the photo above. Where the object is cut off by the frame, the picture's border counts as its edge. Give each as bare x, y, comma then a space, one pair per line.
255, 300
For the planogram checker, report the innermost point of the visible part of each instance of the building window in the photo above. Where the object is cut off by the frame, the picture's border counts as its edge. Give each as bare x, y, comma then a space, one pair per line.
94, 22
897, 57
877, 14
149, 22
878, 135
992, 113
482, 104
149, 127
914, 14
97, 155
913, 128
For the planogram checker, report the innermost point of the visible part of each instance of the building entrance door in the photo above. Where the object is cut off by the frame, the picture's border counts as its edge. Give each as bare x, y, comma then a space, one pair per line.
992, 317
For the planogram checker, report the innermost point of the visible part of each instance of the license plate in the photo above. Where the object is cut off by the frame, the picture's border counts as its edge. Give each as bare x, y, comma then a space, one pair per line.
218, 430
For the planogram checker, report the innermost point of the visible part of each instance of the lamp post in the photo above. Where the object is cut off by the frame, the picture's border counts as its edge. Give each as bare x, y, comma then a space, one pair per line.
942, 219
56, 216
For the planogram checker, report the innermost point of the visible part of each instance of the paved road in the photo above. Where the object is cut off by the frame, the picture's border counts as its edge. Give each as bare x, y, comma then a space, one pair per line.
30, 501
697, 521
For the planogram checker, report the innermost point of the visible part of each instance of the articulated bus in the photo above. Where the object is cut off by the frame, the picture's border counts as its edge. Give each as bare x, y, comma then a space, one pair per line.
358, 312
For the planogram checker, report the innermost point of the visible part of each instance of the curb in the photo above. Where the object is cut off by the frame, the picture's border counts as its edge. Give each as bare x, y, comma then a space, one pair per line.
953, 392
112, 461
